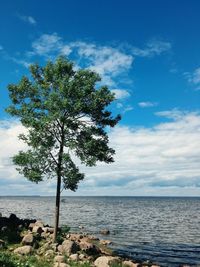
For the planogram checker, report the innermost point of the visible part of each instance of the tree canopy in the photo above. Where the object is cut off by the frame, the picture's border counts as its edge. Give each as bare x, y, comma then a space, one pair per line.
66, 117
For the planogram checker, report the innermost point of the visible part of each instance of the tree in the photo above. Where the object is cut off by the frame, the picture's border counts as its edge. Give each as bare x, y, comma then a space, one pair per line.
66, 117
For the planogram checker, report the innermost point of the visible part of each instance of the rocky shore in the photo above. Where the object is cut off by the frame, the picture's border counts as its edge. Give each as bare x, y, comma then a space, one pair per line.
24, 237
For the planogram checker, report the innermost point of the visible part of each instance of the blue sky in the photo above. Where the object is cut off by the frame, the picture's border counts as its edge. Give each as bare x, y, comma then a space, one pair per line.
147, 52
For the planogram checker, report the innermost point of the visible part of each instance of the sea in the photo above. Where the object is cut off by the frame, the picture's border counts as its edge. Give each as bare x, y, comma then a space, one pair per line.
161, 230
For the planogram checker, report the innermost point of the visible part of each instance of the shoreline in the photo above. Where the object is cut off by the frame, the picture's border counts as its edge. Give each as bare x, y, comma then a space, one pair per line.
25, 238
90, 246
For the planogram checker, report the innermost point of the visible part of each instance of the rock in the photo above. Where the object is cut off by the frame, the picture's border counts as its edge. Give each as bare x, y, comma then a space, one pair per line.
2, 243
25, 250
159, 266
60, 248
82, 257
69, 247
75, 237
59, 258
74, 257
105, 232
129, 264
37, 229
13, 217
39, 224
105, 242
92, 237
106, 261
28, 239
31, 225
48, 230
49, 253
89, 248
61, 264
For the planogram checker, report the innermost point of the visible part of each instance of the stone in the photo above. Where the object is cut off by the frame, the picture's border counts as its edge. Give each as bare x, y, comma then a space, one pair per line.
60, 248
106, 261
92, 237
75, 237
105, 232
129, 264
105, 242
59, 258
39, 224
49, 253
25, 250
159, 266
28, 239
89, 248
70, 247
31, 225
61, 264
48, 230
82, 257
74, 257
37, 229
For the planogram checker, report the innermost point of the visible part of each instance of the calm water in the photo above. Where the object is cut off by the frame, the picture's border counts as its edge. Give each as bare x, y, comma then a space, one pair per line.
163, 230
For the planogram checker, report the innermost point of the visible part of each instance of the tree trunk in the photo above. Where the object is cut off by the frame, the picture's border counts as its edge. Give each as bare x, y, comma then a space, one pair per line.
57, 210
59, 168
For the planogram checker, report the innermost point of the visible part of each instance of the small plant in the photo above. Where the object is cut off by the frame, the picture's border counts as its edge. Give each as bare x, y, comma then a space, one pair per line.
62, 233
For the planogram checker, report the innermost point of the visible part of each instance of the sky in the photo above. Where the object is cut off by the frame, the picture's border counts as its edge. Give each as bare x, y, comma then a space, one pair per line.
147, 53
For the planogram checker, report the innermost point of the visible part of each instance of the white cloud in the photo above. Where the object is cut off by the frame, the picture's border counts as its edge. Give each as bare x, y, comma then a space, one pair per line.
147, 104
120, 93
194, 78
160, 160
153, 48
47, 43
28, 19
105, 60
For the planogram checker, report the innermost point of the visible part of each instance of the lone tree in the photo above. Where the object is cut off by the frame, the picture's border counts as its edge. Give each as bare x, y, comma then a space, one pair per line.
65, 116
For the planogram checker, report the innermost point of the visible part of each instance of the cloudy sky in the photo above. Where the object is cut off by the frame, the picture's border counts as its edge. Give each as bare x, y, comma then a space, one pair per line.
147, 52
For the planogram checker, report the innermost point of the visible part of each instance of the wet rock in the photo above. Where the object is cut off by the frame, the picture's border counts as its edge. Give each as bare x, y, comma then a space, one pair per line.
105, 242
93, 238
70, 247
106, 261
25, 250
89, 248
105, 232
28, 239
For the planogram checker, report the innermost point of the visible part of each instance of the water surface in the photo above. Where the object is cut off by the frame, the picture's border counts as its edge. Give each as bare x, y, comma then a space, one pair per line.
160, 229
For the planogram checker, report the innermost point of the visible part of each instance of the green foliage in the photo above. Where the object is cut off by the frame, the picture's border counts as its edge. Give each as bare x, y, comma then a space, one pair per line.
62, 233
10, 260
65, 114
